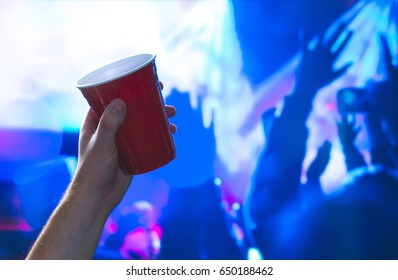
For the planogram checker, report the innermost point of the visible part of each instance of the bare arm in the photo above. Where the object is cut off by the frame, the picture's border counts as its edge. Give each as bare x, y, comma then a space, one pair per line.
74, 228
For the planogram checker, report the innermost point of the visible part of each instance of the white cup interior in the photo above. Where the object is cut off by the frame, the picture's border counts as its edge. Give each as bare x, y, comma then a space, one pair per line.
115, 70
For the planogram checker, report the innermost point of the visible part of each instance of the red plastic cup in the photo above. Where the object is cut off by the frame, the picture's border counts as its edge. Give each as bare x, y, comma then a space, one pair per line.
144, 140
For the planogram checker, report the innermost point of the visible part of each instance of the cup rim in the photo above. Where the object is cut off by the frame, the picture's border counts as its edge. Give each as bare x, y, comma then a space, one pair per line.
84, 82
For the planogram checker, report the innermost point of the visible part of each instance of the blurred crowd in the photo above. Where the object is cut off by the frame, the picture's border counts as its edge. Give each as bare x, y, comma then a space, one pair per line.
293, 218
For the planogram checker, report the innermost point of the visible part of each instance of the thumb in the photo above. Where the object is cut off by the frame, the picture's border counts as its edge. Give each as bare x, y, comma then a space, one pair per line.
109, 123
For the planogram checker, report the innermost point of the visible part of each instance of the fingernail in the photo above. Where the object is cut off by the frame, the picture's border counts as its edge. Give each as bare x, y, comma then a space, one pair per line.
118, 107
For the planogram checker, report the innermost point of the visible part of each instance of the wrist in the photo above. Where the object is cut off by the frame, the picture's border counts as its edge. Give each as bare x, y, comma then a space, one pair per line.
89, 203
305, 90
348, 146
298, 105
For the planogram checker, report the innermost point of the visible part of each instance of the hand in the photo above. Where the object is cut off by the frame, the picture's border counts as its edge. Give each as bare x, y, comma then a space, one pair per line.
75, 226
99, 175
316, 68
347, 135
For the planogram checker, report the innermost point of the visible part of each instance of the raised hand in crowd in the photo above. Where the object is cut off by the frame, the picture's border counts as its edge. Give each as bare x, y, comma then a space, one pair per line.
316, 69
347, 134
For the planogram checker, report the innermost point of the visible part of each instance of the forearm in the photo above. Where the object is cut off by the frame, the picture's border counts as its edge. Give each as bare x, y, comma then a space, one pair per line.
279, 171
288, 136
298, 105
73, 230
